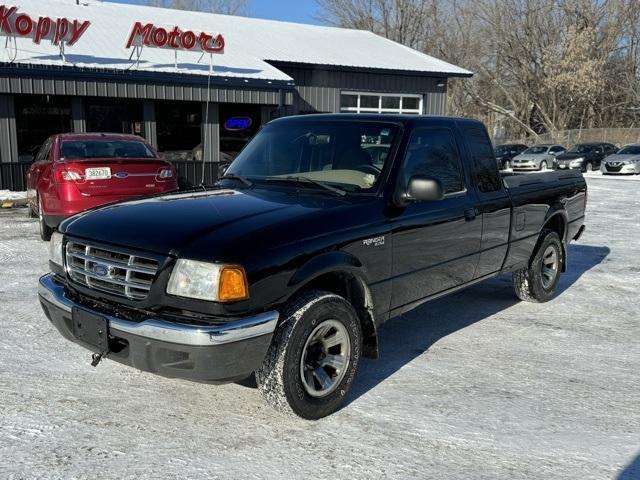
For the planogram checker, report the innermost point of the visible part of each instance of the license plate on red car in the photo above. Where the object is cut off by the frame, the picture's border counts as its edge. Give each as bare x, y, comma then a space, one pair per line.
101, 173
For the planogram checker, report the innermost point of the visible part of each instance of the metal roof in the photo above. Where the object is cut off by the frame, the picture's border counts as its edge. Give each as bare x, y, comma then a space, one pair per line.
250, 44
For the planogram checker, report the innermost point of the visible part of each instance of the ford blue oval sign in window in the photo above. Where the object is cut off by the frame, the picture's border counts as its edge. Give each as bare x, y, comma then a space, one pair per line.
237, 123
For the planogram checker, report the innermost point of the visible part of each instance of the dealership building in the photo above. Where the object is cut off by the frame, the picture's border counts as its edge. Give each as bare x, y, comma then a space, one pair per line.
196, 85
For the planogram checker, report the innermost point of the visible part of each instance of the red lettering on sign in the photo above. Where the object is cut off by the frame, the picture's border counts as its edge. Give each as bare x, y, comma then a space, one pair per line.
43, 28
62, 29
152, 36
213, 44
139, 30
173, 38
188, 39
56, 30
78, 29
5, 15
24, 25
160, 37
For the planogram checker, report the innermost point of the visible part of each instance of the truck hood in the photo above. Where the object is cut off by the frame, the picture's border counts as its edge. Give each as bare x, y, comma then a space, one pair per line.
181, 224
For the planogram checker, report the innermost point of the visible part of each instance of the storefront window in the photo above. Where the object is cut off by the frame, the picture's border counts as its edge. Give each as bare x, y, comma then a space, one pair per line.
114, 116
179, 129
37, 118
238, 123
355, 102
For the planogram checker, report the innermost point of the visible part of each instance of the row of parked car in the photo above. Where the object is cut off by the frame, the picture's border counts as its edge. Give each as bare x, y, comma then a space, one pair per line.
586, 157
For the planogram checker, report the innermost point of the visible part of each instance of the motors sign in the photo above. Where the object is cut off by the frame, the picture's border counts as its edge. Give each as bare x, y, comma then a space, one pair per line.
56, 30
150, 35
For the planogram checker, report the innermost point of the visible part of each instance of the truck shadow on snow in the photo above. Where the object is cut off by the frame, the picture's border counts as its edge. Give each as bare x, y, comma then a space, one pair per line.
409, 336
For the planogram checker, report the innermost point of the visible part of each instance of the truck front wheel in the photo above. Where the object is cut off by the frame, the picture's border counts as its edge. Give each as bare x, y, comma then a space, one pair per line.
313, 358
538, 282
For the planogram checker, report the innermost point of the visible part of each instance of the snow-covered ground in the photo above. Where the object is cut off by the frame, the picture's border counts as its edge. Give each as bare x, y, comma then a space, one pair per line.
474, 386
11, 195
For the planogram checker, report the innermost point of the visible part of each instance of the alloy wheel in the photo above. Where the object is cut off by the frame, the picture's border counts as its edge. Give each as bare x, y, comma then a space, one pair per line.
325, 358
549, 266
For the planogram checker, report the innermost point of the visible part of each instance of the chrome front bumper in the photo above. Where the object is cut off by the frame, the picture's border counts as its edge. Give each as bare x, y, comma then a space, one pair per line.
157, 329
216, 354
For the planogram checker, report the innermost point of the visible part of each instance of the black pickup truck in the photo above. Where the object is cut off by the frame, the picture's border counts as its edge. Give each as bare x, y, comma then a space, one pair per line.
289, 264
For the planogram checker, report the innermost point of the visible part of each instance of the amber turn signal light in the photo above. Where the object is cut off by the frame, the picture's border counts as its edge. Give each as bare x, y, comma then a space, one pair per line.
233, 284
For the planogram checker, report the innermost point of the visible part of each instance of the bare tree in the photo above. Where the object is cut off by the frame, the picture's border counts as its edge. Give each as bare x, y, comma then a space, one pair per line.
227, 7
540, 65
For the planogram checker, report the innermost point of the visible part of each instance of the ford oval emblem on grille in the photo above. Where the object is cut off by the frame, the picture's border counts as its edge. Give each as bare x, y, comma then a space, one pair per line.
121, 174
101, 270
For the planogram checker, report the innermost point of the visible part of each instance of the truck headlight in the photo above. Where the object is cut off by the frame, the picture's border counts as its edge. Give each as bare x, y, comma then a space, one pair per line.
577, 162
55, 248
208, 281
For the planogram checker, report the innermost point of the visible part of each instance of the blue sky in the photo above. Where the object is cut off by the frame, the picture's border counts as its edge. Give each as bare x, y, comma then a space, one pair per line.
301, 11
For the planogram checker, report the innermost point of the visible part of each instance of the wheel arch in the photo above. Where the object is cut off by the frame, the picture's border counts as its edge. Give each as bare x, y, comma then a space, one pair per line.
343, 274
557, 221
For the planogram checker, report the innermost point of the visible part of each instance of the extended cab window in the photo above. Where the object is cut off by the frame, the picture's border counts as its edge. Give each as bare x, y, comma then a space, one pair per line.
432, 152
348, 155
484, 163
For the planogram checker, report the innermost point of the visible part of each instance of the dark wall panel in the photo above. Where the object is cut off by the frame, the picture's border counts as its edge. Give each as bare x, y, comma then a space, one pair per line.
318, 90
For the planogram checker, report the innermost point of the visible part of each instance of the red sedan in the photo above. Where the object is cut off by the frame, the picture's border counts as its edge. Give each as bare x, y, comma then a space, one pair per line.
76, 171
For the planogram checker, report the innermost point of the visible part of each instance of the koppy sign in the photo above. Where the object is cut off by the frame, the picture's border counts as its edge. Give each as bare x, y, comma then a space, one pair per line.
56, 30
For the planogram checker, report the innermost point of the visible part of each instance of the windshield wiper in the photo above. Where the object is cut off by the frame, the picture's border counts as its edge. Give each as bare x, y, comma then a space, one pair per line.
299, 179
233, 176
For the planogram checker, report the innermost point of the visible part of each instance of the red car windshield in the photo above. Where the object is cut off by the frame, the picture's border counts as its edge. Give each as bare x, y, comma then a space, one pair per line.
79, 149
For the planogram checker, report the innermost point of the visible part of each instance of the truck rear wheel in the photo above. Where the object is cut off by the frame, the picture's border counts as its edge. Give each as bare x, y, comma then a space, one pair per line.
313, 358
538, 282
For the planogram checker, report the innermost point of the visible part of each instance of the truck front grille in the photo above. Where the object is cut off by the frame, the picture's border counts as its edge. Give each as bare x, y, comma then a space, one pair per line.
118, 273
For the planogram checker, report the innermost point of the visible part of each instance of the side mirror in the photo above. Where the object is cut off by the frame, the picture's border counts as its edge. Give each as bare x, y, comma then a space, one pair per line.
421, 189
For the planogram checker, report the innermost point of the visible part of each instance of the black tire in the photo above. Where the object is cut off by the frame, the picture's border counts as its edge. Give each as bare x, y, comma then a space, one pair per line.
45, 230
280, 378
588, 167
531, 284
543, 165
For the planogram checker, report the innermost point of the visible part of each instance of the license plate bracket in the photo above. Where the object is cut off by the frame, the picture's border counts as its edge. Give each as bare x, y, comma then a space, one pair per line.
91, 329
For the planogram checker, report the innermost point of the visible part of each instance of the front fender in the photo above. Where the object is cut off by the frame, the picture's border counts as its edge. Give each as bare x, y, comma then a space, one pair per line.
329, 262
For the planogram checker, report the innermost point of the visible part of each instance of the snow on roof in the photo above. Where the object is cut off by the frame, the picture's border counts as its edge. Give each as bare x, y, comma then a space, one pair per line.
249, 43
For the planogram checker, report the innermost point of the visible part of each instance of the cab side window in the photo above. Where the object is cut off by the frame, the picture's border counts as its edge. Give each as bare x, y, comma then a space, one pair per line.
484, 162
433, 152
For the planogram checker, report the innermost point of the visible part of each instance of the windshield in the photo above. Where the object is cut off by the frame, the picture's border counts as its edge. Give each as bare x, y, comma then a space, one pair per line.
78, 149
630, 150
581, 148
501, 149
348, 155
537, 149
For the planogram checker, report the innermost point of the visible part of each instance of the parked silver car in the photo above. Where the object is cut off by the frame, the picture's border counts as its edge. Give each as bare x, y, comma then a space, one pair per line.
537, 157
625, 161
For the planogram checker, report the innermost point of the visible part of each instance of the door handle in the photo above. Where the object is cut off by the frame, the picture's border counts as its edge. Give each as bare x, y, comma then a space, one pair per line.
470, 214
